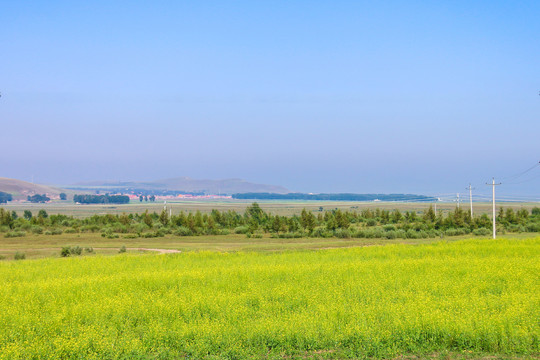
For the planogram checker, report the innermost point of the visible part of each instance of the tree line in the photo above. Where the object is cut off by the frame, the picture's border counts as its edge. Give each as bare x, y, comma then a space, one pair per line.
255, 222
101, 199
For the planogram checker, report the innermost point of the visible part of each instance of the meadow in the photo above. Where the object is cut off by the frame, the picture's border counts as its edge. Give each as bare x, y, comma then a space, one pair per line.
460, 299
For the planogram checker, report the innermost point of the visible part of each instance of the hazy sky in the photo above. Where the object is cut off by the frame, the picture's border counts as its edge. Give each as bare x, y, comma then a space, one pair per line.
334, 96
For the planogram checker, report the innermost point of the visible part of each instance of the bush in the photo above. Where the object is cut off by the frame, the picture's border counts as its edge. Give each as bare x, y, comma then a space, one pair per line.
54, 232
122, 249
90, 228
371, 222
2, 257
131, 236
19, 256
533, 227
89, 250
456, 232
481, 232
65, 252
321, 232
153, 234
241, 230
13, 234
183, 231
76, 250
36, 229
290, 235
71, 231
342, 233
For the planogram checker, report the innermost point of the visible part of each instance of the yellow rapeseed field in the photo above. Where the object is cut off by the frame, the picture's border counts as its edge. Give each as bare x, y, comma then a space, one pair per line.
479, 296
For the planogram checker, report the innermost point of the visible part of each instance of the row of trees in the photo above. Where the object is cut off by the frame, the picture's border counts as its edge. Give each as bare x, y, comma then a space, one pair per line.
256, 222
101, 199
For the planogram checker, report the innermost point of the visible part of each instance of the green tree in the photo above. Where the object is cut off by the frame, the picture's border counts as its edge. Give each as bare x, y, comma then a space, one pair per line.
164, 217
63, 196
27, 214
429, 215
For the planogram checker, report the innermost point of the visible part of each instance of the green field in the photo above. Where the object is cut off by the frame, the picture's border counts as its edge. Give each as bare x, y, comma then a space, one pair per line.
461, 299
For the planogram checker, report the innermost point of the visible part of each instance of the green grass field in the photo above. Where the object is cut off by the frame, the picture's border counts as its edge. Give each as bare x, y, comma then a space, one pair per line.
460, 299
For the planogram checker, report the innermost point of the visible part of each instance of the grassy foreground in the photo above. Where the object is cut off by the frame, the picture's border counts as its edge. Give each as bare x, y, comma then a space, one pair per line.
465, 297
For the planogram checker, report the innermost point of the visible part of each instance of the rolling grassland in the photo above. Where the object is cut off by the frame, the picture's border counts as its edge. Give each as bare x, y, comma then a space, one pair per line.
468, 298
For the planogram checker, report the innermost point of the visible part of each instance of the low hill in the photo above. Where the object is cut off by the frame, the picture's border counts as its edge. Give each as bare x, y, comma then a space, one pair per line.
21, 189
188, 185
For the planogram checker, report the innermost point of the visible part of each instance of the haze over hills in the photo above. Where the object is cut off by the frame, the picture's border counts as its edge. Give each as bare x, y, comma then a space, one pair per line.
20, 189
186, 184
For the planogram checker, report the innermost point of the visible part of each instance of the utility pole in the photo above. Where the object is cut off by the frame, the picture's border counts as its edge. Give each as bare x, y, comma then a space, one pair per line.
458, 200
494, 213
470, 198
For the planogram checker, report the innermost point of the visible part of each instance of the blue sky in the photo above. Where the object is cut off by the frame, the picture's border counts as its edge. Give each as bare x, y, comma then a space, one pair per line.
342, 96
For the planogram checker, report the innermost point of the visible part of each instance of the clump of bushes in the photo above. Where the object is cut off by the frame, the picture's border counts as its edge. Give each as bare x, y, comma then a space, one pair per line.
481, 232
75, 250
36, 229
122, 249
183, 231
19, 256
54, 232
13, 234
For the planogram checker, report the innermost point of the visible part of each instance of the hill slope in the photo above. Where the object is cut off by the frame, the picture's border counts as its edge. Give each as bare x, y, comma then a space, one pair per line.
21, 189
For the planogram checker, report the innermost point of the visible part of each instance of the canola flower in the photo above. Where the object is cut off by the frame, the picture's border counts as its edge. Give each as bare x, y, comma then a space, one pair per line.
479, 296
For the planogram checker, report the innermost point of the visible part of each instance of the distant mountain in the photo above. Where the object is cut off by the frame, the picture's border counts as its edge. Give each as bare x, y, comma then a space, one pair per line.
186, 184
21, 189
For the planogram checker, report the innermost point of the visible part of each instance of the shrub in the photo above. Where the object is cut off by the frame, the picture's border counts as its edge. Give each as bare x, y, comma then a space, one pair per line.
65, 252
76, 250
90, 228
13, 234
533, 227
342, 233
71, 231
183, 231
131, 236
19, 256
371, 222
241, 230
122, 249
481, 232
456, 232
321, 232
89, 249
54, 232
2, 257
290, 235
36, 229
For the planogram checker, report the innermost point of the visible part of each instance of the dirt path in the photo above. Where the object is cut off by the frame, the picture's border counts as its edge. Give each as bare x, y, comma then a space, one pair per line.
161, 251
